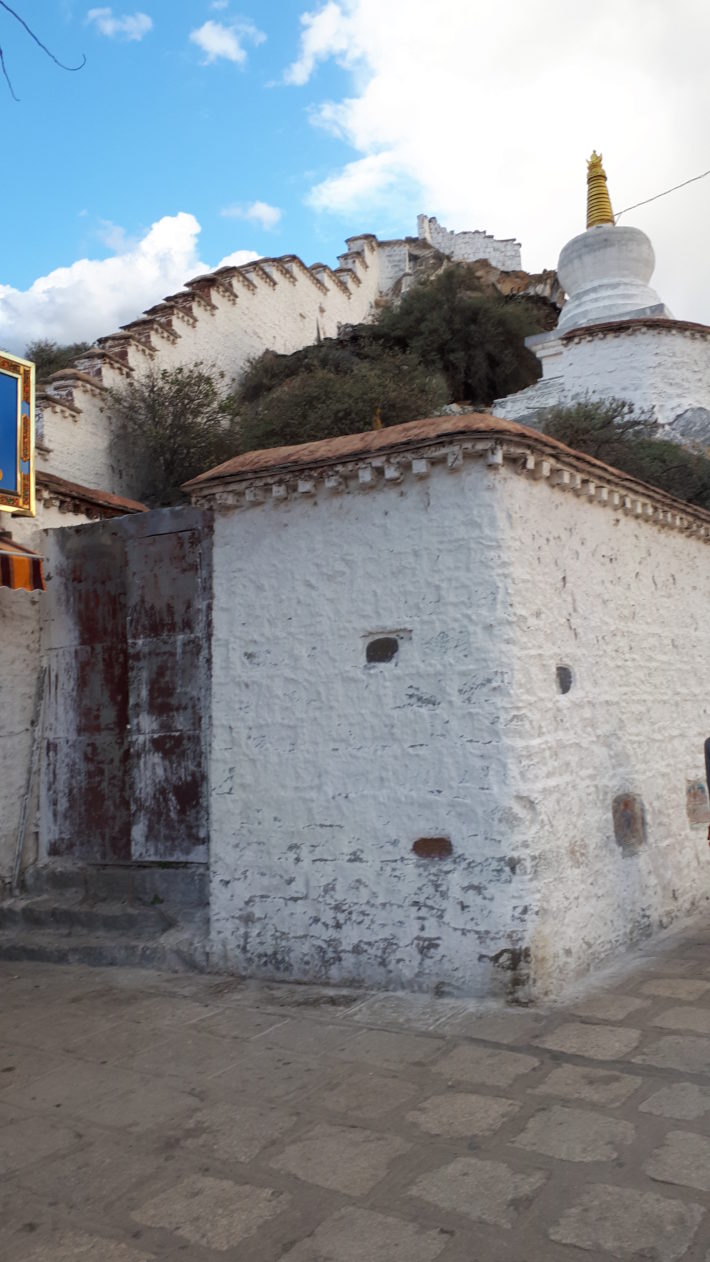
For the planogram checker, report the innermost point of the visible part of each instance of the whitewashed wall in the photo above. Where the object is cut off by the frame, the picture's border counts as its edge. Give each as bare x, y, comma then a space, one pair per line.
625, 605
19, 664
467, 247
664, 370
325, 771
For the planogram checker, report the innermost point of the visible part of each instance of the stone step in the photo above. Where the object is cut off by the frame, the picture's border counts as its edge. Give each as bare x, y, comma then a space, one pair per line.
154, 884
71, 913
180, 949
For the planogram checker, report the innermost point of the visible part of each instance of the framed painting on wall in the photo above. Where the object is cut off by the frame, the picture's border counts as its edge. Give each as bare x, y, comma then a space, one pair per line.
17, 440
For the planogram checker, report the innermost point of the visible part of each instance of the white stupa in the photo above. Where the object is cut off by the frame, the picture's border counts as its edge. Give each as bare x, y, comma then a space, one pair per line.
615, 337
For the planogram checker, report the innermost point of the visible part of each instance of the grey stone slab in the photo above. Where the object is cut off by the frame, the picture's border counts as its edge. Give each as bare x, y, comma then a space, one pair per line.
158, 1105
597, 1042
595, 1086
346, 1159
190, 1055
170, 1010
387, 1048
486, 1191
685, 1101
240, 1022
494, 1027
685, 1053
458, 1114
269, 1074
214, 1213
683, 1158
367, 1096
689, 988
105, 1169
75, 1087
25, 1140
78, 1246
361, 1235
609, 1007
575, 1134
20, 1067
237, 1132
696, 1020
493, 1068
419, 1012
629, 1224
309, 1038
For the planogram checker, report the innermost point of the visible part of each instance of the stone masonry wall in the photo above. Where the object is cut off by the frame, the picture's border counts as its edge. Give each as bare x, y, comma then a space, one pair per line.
519, 792
623, 604
19, 665
330, 777
466, 247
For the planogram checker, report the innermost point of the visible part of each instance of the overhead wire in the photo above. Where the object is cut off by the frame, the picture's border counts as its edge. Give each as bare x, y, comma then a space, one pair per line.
655, 198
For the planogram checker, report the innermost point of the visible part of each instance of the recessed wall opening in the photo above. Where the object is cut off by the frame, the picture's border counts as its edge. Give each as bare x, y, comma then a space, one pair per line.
565, 679
382, 649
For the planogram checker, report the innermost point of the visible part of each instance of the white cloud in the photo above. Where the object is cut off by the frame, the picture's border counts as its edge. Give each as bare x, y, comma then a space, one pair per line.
227, 42
93, 297
257, 212
238, 258
132, 26
486, 115
219, 4
325, 34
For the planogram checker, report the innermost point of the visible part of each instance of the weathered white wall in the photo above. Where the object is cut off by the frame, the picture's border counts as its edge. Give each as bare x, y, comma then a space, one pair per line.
325, 771
623, 604
277, 315
19, 665
467, 247
664, 370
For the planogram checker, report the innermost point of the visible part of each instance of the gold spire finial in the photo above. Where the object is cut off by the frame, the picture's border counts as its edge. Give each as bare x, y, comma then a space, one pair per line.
598, 200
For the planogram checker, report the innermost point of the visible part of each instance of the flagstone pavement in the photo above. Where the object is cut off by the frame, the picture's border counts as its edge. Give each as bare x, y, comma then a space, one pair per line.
149, 1116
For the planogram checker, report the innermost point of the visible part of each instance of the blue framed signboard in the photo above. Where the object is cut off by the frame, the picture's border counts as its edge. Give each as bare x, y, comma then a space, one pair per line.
17, 440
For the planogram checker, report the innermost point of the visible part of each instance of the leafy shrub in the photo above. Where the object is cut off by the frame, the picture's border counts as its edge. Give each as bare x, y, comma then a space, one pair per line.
613, 431
343, 396
168, 426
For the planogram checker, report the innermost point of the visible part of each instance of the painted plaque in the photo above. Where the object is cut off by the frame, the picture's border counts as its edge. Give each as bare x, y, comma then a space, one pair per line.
17, 454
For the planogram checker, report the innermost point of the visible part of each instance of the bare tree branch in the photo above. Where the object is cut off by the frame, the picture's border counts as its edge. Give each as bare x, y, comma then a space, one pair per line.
6, 76
8, 9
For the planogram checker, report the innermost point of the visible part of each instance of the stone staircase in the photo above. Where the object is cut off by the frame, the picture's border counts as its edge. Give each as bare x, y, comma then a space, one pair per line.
147, 916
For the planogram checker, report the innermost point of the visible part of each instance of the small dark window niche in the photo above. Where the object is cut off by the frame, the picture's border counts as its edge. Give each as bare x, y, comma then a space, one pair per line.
382, 649
565, 679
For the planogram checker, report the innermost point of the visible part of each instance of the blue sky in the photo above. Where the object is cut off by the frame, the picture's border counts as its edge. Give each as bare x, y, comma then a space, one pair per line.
199, 129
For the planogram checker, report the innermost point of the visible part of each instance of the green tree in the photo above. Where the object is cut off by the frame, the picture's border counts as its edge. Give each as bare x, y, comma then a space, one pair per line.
615, 432
168, 426
475, 340
343, 395
48, 357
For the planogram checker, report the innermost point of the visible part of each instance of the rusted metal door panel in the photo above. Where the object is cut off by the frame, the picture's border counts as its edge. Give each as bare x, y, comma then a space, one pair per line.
167, 780
85, 801
168, 624
128, 652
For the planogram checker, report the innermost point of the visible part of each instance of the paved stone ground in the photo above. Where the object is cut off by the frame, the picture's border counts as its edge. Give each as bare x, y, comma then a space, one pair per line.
146, 1116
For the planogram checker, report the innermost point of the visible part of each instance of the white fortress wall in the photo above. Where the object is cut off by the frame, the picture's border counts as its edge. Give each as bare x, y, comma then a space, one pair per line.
466, 247
222, 320
327, 771
622, 603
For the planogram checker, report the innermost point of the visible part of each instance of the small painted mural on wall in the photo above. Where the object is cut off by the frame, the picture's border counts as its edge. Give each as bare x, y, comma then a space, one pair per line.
17, 491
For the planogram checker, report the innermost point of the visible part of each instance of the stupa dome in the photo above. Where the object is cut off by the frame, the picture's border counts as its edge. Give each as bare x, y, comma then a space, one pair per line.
605, 271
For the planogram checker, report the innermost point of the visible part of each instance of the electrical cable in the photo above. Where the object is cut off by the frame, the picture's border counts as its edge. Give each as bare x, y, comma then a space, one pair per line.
657, 195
